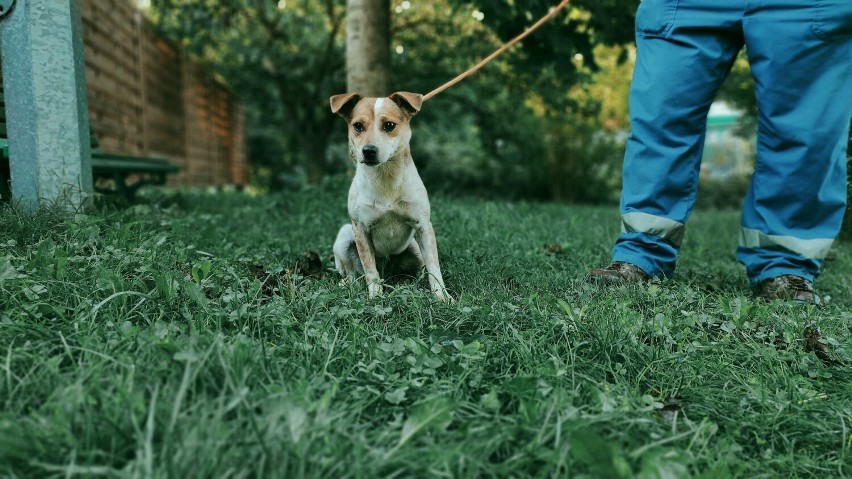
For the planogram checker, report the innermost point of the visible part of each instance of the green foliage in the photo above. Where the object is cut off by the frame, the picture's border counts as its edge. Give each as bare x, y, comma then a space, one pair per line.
722, 193
738, 90
544, 63
476, 155
178, 338
282, 58
584, 163
487, 136
585, 144
530, 125
478, 137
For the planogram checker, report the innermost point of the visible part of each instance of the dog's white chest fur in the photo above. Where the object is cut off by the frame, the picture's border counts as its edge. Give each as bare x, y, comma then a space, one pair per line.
390, 233
386, 218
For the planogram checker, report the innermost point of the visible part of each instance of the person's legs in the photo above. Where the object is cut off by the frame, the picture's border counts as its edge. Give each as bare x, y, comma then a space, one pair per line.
800, 53
684, 51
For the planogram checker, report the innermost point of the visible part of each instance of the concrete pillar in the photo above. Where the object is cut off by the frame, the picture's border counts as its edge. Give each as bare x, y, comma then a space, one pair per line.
46, 105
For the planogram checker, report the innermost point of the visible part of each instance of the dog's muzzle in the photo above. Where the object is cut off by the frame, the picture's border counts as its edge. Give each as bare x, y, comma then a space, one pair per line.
371, 154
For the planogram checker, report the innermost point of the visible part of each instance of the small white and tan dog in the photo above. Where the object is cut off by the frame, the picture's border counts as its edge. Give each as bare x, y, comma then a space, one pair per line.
388, 203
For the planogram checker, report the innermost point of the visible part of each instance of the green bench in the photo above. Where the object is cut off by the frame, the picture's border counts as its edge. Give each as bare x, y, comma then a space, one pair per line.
121, 168
126, 173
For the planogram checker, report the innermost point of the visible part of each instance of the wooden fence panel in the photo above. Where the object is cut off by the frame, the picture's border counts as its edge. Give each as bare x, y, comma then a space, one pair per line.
111, 50
164, 132
146, 98
198, 132
239, 159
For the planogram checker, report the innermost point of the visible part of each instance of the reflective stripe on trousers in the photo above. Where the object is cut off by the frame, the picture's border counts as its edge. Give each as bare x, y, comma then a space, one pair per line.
637, 222
809, 249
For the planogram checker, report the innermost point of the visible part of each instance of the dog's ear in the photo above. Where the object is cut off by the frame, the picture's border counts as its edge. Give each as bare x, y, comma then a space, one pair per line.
410, 102
344, 103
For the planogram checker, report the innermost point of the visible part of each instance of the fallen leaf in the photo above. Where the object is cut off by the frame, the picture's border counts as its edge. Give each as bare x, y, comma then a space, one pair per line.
815, 344
554, 248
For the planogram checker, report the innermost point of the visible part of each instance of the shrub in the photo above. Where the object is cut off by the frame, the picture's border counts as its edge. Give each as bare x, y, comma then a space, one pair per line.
722, 193
584, 164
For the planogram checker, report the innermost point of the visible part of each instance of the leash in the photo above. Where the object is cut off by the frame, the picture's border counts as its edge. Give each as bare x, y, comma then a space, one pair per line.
470, 71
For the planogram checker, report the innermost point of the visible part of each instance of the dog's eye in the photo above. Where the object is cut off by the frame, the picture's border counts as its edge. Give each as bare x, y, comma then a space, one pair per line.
388, 126
358, 126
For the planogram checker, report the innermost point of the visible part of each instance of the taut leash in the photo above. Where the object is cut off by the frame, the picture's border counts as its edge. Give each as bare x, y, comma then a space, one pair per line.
470, 71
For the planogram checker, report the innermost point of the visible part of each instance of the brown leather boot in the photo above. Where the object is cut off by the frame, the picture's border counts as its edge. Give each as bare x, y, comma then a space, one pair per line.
787, 287
618, 272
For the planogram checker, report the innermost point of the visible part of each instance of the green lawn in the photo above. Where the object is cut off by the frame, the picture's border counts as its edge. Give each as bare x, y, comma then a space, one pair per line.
186, 337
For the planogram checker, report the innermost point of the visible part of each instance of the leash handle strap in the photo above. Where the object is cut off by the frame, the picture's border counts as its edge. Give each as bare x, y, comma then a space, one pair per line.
470, 71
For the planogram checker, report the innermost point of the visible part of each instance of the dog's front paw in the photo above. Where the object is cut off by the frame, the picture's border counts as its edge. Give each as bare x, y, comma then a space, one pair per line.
444, 296
374, 289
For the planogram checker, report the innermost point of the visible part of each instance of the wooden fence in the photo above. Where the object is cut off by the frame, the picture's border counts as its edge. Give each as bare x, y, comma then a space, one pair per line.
147, 98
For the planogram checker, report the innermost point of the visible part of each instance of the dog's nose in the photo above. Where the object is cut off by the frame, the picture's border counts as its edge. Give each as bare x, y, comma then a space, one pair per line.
371, 153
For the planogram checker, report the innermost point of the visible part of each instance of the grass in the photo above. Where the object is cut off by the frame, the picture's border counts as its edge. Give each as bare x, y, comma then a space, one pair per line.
186, 336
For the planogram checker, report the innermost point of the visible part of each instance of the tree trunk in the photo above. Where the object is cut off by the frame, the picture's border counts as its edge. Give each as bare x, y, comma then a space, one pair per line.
368, 47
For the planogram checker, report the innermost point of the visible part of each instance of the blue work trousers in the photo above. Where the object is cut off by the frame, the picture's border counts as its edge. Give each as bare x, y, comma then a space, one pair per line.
800, 52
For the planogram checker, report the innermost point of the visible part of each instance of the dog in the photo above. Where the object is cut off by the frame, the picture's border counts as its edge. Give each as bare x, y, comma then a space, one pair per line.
387, 203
